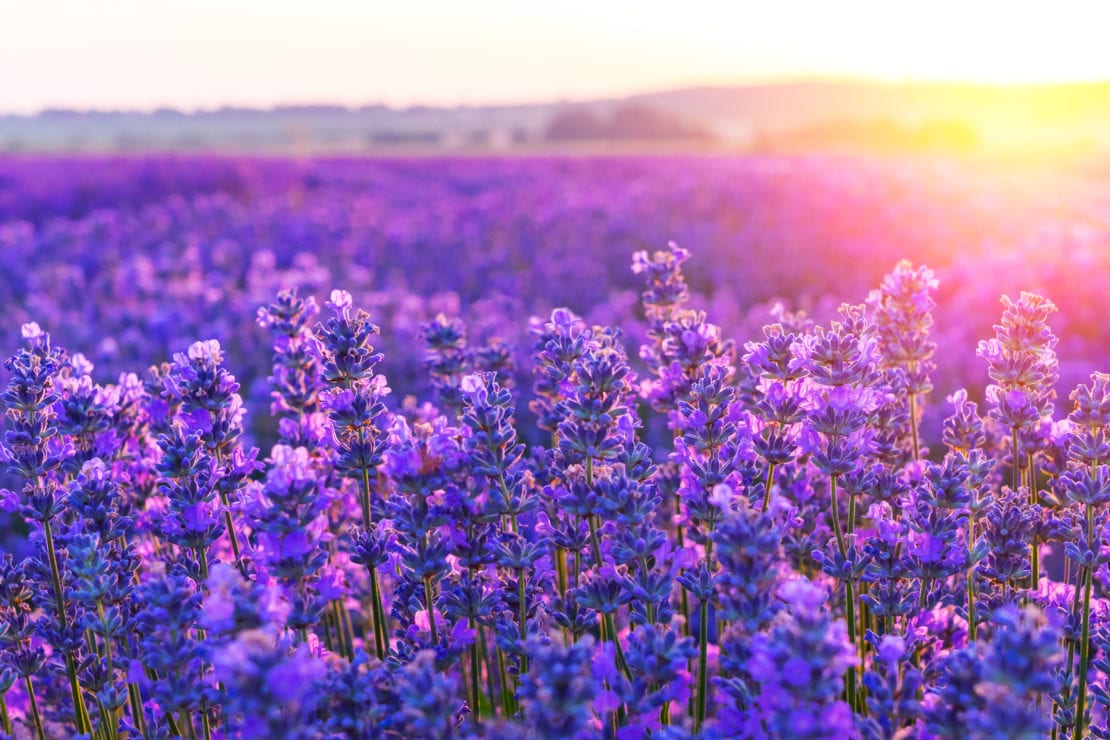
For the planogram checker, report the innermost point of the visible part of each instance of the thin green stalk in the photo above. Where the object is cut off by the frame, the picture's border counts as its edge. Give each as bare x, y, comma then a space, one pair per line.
1034, 549
595, 541
190, 729
1084, 642
343, 640
767, 486
850, 607
523, 619
230, 524
972, 628
685, 601
381, 629
364, 494
561, 570
81, 712
174, 730
703, 664
475, 676
4, 714
34, 709
607, 618
327, 620
849, 589
1080, 581
506, 697
430, 604
111, 666
377, 609
612, 718
107, 728
836, 518
703, 644
851, 524
202, 561
913, 426
650, 607
863, 618
489, 671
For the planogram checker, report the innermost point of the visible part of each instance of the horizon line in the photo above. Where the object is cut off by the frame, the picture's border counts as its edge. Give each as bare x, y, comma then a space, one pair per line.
350, 107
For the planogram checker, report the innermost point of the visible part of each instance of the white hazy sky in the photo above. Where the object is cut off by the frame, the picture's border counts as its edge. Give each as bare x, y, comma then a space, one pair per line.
141, 54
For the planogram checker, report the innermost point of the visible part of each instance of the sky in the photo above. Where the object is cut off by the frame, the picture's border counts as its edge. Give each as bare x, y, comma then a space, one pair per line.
144, 54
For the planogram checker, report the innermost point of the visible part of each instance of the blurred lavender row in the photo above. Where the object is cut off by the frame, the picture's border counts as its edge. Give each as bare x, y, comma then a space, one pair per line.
129, 260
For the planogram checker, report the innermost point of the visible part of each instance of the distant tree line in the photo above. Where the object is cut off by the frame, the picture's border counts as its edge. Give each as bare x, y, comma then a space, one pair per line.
625, 122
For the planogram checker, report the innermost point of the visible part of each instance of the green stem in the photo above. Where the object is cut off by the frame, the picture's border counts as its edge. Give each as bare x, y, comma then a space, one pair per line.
913, 426
328, 618
506, 697
364, 491
226, 502
111, 667
607, 618
851, 528
430, 604
703, 643
381, 626
523, 620
175, 731
190, 729
841, 546
561, 569
1084, 642
475, 676
863, 615
34, 709
231, 534
81, 712
850, 608
107, 728
972, 628
344, 640
489, 670
1034, 549
595, 541
703, 664
4, 714
767, 487
202, 561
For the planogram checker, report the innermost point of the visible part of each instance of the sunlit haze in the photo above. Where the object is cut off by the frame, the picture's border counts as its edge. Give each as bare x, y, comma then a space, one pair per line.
134, 54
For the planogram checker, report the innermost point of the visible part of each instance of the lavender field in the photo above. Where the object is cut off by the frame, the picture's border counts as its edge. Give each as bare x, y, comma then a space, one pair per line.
781, 446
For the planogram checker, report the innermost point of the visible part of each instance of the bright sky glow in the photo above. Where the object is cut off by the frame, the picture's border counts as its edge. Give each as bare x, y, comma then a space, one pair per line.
139, 54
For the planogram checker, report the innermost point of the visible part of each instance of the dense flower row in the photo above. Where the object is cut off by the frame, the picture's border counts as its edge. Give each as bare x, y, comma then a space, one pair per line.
797, 562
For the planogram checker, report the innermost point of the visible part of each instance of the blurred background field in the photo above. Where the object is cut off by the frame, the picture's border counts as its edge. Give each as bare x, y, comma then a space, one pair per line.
130, 259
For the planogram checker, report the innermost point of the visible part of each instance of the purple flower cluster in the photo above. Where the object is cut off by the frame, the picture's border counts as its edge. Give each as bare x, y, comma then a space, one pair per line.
563, 530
